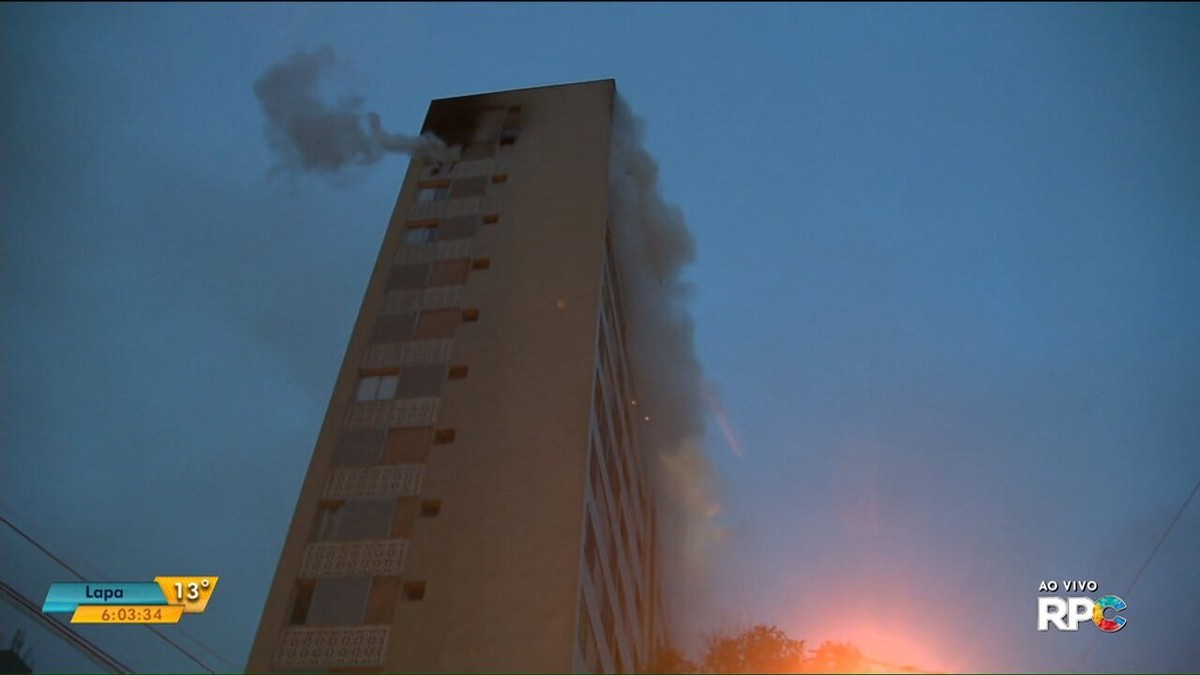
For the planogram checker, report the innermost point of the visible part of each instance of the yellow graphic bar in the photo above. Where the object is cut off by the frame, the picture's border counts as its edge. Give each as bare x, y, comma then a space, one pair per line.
190, 593
127, 614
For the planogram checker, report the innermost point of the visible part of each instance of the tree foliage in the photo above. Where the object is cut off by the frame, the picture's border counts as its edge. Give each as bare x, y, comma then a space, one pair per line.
835, 657
670, 661
760, 649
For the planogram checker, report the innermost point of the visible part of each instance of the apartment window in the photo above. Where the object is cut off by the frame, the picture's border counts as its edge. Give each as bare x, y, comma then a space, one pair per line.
326, 519
402, 523
394, 328
408, 445
512, 126
364, 519
433, 192
338, 601
301, 602
407, 277
606, 620
460, 227
585, 629
481, 150
377, 388
420, 233
437, 324
358, 448
591, 554
420, 381
469, 187
382, 600
449, 273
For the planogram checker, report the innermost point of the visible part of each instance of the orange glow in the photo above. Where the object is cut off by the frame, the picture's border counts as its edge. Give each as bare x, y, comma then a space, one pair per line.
887, 650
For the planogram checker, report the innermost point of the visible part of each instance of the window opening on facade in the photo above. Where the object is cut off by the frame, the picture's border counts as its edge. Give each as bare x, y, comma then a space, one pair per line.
377, 388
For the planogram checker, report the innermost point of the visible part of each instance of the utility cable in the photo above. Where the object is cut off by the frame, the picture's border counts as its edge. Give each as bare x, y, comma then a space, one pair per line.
79, 576
1141, 570
97, 655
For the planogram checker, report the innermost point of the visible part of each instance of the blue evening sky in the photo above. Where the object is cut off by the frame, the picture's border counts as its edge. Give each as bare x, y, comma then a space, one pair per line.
947, 288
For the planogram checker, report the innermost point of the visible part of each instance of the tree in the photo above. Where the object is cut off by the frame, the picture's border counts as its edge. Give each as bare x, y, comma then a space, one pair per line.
835, 657
668, 661
758, 649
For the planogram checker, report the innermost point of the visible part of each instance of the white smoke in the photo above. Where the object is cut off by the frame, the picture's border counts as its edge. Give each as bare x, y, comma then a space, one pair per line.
310, 134
653, 246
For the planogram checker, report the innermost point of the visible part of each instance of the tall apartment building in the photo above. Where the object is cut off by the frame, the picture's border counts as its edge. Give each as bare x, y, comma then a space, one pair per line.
477, 500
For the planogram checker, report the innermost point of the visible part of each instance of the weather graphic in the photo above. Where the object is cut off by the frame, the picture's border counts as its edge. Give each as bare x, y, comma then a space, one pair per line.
164, 600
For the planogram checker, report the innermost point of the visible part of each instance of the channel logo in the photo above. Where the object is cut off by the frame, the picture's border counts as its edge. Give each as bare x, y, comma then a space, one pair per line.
1066, 613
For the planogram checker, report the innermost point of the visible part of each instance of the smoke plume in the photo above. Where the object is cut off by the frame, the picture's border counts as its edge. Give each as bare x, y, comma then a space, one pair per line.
653, 246
309, 134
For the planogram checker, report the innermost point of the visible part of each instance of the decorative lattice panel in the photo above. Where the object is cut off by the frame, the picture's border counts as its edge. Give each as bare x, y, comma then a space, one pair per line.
354, 559
432, 209
493, 203
400, 480
406, 412
307, 647
475, 167
417, 353
414, 254
442, 297
400, 302
458, 248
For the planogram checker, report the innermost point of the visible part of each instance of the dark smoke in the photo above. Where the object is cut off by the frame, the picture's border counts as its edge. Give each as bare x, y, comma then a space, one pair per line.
654, 245
309, 134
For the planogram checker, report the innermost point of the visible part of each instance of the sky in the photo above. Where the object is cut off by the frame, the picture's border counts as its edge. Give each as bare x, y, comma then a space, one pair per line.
946, 292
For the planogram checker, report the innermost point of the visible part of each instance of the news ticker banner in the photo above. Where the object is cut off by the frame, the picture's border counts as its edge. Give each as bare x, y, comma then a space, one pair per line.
164, 600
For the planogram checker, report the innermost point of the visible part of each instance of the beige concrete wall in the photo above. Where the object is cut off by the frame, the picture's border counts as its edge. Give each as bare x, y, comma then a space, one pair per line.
501, 560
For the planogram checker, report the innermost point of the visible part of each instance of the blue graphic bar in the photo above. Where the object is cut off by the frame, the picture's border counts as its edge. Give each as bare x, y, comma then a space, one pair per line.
65, 597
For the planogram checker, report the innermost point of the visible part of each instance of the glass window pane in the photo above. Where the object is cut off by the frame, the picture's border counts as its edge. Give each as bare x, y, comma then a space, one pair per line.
338, 602
362, 519
366, 389
394, 328
407, 276
387, 387
359, 448
419, 235
419, 381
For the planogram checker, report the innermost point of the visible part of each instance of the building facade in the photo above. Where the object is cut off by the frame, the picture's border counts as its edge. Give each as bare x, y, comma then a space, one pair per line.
477, 500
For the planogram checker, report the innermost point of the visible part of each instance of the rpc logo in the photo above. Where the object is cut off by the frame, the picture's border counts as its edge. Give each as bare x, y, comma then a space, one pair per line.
1067, 613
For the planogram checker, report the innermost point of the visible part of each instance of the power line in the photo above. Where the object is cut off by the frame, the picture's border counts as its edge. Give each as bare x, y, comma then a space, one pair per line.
91, 651
79, 576
1141, 570
1165, 534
